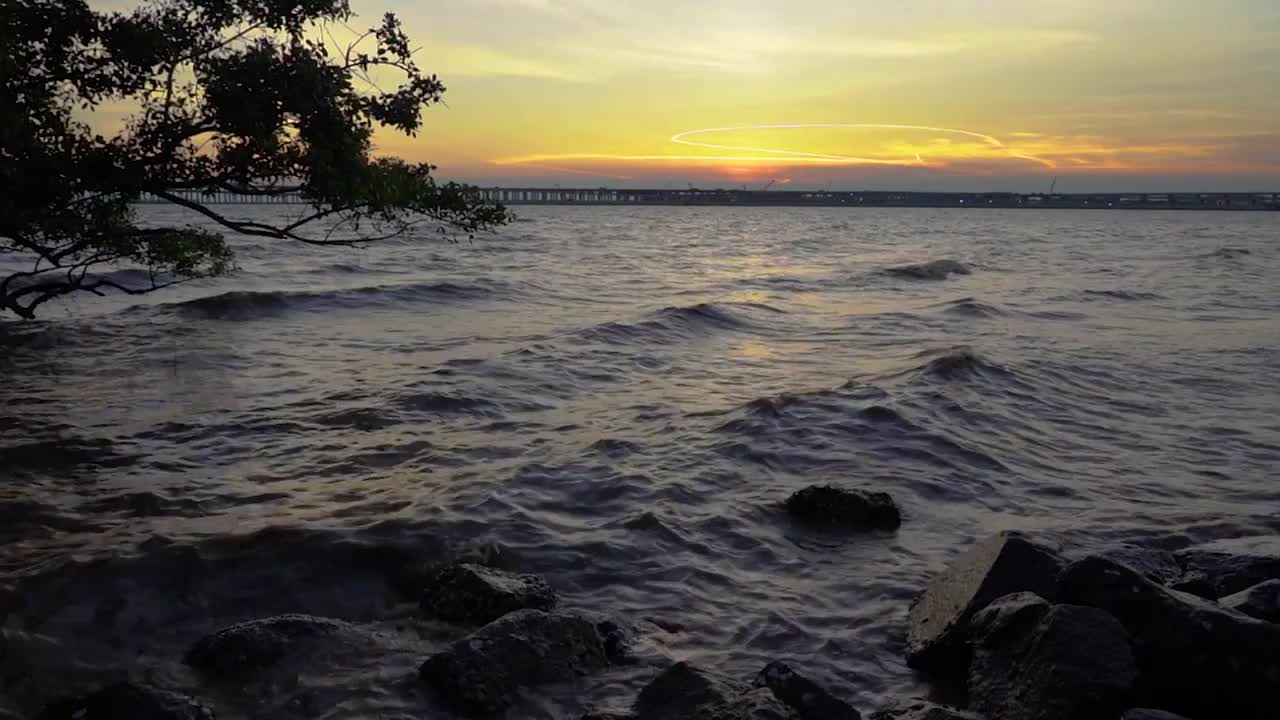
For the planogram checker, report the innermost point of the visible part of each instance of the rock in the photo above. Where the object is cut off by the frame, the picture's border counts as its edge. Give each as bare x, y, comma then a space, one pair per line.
607, 715
759, 704
469, 593
832, 507
806, 697
995, 567
936, 270
1036, 661
129, 701
1213, 573
481, 673
1261, 601
1160, 566
249, 646
680, 690
921, 710
1145, 714
1194, 657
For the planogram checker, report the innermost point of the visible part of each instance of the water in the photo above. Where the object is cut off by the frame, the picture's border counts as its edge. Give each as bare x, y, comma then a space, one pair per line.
619, 399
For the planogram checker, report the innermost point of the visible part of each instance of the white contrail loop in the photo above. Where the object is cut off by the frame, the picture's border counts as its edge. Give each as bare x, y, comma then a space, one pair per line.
681, 138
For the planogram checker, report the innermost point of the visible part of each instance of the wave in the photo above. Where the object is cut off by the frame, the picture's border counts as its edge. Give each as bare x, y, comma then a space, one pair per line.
445, 403
1130, 295
960, 363
971, 307
1229, 253
682, 322
933, 270
253, 305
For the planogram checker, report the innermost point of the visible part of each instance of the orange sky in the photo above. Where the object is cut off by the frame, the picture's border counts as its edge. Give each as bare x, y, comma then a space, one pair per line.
918, 94
982, 92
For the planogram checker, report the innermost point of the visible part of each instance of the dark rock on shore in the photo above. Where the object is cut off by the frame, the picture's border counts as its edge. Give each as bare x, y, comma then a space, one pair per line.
1036, 661
680, 690
806, 697
687, 692
481, 673
467, 593
832, 507
1145, 714
1213, 573
1261, 601
760, 704
1195, 657
249, 646
1000, 565
1160, 566
129, 701
921, 710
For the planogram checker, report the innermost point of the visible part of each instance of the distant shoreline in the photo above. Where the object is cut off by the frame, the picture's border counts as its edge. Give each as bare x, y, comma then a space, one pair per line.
1261, 201
1265, 201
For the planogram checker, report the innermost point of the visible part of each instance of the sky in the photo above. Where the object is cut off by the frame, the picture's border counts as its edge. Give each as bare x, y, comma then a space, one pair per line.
985, 94
1104, 95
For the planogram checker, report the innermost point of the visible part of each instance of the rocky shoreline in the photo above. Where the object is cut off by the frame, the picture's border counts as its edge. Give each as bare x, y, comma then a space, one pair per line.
1013, 629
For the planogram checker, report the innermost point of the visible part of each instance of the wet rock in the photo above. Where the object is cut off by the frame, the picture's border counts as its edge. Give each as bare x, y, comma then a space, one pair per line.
129, 701
832, 507
1194, 657
680, 690
481, 673
469, 593
935, 270
250, 646
1214, 573
760, 704
1036, 661
922, 710
806, 697
1261, 601
1145, 714
939, 618
1158, 565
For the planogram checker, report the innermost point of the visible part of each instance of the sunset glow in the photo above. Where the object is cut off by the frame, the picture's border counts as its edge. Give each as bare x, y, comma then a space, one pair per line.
857, 93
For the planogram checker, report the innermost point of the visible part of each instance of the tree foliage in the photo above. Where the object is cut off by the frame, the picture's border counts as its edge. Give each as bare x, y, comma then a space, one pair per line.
256, 97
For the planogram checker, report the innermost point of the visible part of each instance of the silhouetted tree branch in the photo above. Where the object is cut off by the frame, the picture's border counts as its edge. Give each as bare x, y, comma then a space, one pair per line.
256, 97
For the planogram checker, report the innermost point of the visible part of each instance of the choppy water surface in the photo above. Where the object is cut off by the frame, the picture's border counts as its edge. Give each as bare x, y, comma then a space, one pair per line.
619, 399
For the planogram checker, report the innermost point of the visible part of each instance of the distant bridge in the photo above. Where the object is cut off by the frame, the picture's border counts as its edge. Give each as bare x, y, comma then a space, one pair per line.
813, 198
825, 198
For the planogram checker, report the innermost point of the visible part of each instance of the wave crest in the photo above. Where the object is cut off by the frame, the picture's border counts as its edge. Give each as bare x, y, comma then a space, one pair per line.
252, 304
682, 323
933, 270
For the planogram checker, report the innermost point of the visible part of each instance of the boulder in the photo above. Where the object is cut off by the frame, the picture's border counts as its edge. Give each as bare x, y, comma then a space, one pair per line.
758, 704
843, 508
939, 618
131, 701
1194, 657
681, 690
1216, 571
481, 673
1158, 565
467, 593
1145, 714
806, 697
921, 710
1261, 601
250, 646
1036, 661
